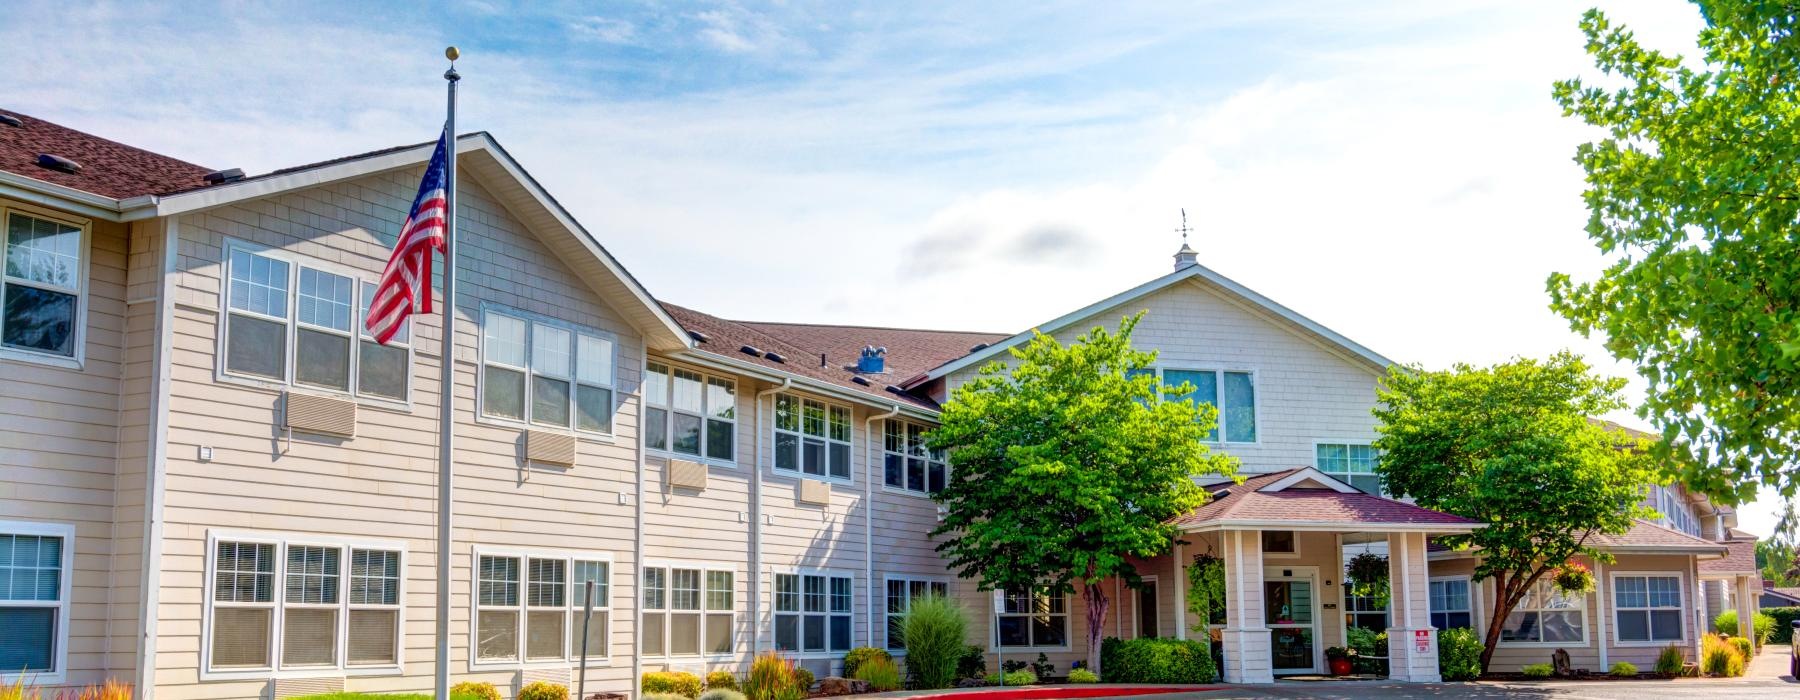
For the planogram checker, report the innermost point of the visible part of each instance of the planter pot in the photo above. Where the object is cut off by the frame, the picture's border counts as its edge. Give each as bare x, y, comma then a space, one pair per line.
1340, 666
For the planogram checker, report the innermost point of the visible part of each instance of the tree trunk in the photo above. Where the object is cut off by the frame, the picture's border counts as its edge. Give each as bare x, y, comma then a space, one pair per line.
1097, 603
1501, 610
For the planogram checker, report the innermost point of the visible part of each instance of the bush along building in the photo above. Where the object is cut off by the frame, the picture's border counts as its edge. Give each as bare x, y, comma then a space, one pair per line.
218, 486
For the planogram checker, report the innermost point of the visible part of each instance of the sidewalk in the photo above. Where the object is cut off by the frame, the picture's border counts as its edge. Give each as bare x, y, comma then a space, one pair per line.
1772, 663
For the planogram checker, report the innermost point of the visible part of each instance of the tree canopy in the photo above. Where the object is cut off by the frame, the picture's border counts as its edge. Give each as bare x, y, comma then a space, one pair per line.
1512, 446
1068, 465
1693, 190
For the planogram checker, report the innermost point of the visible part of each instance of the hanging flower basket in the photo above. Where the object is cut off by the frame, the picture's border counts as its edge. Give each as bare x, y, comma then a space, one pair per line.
1574, 579
1369, 571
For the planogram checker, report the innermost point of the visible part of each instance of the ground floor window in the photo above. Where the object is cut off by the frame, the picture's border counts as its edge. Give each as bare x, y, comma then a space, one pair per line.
336, 605
901, 592
35, 561
529, 605
689, 610
1648, 608
1450, 608
1032, 619
1546, 615
813, 612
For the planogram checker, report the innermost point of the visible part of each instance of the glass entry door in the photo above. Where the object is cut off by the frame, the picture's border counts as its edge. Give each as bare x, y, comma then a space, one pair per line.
1288, 611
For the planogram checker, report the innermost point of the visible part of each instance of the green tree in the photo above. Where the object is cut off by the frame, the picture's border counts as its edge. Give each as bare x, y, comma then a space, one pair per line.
1511, 446
1693, 191
1067, 466
1776, 556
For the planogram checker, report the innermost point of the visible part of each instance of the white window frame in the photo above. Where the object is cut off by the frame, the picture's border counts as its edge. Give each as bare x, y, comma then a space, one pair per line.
802, 614
532, 321
281, 541
887, 580
1682, 609
60, 655
1219, 370
999, 607
707, 413
79, 358
1270, 554
776, 431
291, 325
1675, 512
906, 455
1346, 443
1587, 623
572, 606
667, 610
1468, 584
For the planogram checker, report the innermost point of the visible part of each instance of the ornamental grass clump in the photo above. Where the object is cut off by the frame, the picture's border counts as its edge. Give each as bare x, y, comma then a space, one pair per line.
882, 674
1082, 675
680, 683
1537, 670
772, 677
855, 658
1670, 661
476, 690
543, 690
721, 680
1719, 658
934, 629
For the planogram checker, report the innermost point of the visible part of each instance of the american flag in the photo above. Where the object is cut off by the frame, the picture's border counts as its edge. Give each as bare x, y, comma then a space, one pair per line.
405, 286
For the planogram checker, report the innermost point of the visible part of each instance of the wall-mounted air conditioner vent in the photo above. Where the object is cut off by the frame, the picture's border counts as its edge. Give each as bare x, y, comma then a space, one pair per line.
686, 474
814, 493
550, 448
319, 414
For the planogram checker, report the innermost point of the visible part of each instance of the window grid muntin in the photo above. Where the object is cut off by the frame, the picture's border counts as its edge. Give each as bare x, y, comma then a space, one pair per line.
563, 365
903, 451
541, 583
1642, 600
1031, 607
660, 599
271, 560
808, 427
804, 603
715, 411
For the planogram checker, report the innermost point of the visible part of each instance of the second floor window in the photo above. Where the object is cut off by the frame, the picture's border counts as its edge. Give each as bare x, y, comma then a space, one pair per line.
690, 413
1351, 464
906, 463
1232, 393
812, 438
40, 284
287, 321
546, 373
1674, 509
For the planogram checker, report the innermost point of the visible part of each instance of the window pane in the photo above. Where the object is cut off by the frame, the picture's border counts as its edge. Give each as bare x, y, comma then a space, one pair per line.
503, 393
550, 350
687, 434
544, 634
1015, 631
787, 593
1630, 592
718, 634
1634, 625
684, 589
594, 360
549, 401
720, 437
1664, 591
656, 429
44, 251
787, 632
499, 581
309, 637
652, 635
813, 418
241, 637
915, 474
312, 575
1047, 630
812, 454
252, 345
896, 632
503, 340
1562, 625
324, 300
497, 634
787, 451
244, 573
787, 413
936, 477
721, 399
382, 371
29, 643
586, 571
372, 635
39, 319
374, 577
718, 590
893, 436
656, 385
894, 471
1665, 624
684, 633
593, 408
1205, 390
656, 588
596, 636
840, 424
403, 335
30, 568
1240, 407
547, 583
687, 391
840, 460
322, 359
258, 284
840, 632
813, 633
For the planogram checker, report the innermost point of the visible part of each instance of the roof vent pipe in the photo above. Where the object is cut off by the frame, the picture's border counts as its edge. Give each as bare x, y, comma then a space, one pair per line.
872, 361
58, 163
220, 177
10, 120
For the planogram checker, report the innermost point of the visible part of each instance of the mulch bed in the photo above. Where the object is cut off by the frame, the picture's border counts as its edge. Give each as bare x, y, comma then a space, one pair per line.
1520, 677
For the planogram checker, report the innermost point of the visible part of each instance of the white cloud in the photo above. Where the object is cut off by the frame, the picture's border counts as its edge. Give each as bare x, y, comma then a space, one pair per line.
605, 30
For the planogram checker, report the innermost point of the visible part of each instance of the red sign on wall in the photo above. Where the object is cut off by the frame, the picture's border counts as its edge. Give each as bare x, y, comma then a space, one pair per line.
1422, 641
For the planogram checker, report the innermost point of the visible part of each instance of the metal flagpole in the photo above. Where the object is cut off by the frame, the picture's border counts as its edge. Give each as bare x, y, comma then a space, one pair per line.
447, 387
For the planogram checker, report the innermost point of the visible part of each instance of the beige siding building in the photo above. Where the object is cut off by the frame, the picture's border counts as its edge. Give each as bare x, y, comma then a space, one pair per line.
216, 485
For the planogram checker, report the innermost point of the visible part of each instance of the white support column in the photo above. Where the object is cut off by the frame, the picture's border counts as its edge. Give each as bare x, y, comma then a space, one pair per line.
1248, 657
1180, 576
1412, 642
1746, 608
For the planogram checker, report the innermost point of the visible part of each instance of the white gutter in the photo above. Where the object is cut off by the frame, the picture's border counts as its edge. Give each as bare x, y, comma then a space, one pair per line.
756, 522
868, 504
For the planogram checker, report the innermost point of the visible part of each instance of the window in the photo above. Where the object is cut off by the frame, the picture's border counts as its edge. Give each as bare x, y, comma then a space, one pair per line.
812, 438
813, 612
322, 603
1546, 615
40, 284
1450, 608
545, 373
1351, 464
35, 561
1675, 512
1279, 542
1237, 410
901, 592
1648, 608
907, 464
528, 608
1033, 619
281, 312
690, 413
688, 611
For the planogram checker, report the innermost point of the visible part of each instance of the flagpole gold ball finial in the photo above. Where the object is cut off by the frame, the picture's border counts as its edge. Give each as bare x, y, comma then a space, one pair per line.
451, 53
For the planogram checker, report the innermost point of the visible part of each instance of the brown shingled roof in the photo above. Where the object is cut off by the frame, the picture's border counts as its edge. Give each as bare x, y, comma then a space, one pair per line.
108, 168
1648, 535
1739, 559
1247, 502
909, 351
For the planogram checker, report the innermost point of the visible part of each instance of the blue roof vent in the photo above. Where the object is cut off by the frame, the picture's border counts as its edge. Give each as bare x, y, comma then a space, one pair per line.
872, 361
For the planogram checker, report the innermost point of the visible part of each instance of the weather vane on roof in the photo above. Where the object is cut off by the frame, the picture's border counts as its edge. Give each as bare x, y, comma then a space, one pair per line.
1184, 227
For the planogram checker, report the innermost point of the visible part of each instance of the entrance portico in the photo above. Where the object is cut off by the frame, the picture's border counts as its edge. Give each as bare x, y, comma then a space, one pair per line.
1280, 537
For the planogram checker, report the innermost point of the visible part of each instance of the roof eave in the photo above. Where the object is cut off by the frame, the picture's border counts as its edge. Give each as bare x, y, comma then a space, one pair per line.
50, 194
732, 364
1332, 526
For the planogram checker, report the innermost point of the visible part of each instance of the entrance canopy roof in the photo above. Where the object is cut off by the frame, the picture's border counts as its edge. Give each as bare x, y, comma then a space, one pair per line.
1306, 499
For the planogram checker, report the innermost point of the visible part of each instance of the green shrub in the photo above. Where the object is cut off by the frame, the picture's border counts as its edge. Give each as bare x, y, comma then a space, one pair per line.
1784, 619
1159, 660
1623, 669
934, 629
1459, 655
857, 656
1763, 628
1371, 649
972, 663
1537, 670
1082, 675
722, 694
665, 696
881, 672
803, 679
1744, 647
1023, 676
680, 683
722, 680
476, 689
772, 677
1726, 623
1720, 658
543, 690
1670, 661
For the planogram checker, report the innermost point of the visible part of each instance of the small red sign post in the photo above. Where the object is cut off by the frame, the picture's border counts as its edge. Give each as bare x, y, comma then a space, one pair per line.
1422, 641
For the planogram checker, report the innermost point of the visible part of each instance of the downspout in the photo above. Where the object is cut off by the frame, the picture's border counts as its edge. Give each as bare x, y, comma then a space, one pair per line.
756, 522
1600, 611
637, 548
869, 512
157, 471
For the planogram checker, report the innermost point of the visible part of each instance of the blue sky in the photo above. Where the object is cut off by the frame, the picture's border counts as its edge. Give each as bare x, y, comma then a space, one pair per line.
1394, 169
